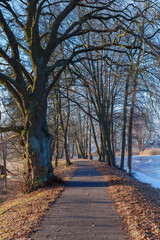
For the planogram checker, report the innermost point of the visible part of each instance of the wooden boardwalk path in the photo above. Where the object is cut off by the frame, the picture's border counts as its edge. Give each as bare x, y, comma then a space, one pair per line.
84, 210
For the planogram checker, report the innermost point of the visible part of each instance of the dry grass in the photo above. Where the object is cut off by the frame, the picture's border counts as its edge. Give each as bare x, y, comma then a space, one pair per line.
134, 152
150, 152
21, 213
137, 203
146, 152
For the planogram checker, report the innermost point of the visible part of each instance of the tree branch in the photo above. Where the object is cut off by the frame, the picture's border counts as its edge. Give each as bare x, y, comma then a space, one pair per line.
53, 36
17, 129
8, 7
15, 63
7, 82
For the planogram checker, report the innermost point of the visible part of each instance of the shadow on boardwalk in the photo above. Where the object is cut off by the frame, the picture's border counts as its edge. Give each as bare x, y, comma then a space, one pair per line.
84, 210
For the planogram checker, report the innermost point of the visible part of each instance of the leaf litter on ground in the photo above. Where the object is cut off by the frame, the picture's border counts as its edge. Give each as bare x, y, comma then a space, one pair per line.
21, 214
137, 203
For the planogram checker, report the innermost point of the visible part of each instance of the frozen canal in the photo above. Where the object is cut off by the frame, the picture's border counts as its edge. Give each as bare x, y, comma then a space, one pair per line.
145, 169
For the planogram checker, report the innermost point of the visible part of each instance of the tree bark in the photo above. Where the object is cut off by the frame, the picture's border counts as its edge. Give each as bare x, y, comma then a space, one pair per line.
4, 155
79, 150
73, 149
124, 121
112, 125
90, 138
37, 141
86, 138
107, 143
57, 150
68, 163
135, 83
95, 141
129, 163
103, 153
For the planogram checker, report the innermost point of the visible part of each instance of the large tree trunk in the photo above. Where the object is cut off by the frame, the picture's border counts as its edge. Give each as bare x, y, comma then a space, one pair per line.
37, 141
107, 143
95, 141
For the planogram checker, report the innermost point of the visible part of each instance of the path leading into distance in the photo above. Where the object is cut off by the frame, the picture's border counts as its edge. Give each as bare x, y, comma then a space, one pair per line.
84, 211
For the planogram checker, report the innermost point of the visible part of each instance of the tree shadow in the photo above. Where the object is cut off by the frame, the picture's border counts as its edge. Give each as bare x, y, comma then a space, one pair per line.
95, 184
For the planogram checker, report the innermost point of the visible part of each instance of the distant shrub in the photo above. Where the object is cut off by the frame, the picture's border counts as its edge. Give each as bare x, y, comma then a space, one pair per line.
150, 152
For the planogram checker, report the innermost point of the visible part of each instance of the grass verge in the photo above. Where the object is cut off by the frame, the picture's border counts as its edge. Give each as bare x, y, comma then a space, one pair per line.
137, 203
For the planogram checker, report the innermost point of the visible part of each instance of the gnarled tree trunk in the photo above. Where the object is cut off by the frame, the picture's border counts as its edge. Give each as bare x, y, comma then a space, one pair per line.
37, 141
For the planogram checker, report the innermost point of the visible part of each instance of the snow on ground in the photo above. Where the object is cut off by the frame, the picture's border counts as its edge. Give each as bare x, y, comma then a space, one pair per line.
145, 168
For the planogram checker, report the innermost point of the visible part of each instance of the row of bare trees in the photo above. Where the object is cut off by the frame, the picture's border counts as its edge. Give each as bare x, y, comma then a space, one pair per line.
102, 47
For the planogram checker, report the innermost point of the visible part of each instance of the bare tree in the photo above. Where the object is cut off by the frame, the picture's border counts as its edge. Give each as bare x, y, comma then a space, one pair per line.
31, 41
30, 52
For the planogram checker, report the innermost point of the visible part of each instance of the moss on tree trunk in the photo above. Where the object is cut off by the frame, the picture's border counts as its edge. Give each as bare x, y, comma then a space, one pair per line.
37, 156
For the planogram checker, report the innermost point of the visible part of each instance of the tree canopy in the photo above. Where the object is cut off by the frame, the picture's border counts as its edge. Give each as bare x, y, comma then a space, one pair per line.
41, 39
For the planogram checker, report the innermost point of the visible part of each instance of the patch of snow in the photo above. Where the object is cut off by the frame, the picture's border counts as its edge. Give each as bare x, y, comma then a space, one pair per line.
144, 178
145, 168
